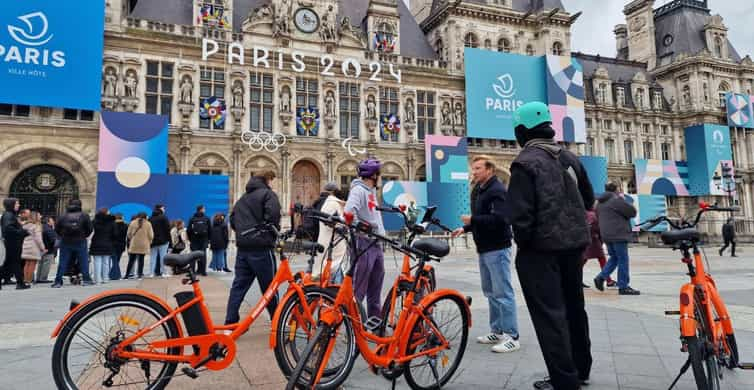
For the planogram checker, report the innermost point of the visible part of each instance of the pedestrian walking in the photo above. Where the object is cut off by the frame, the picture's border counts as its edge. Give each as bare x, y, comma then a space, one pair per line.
310, 226
729, 236
595, 250
159, 248
102, 245
13, 238
332, 205
492, 236
34, 246
178, 238
119, 246
73, 228
140, 236
614, 215
255, 259
198, 233
218, 242
50, 239
547, 200
362, 203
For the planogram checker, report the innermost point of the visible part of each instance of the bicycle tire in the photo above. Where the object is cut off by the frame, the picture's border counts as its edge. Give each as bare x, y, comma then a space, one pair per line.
315, 351
733, 358
703, 378
60, 372
430, 311
334, 376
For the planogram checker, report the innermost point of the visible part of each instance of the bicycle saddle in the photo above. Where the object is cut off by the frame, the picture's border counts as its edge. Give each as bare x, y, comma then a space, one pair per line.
181, 261
671, 237
432, 246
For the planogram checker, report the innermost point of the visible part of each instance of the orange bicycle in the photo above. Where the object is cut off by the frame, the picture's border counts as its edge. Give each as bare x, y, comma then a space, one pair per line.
706, 328
429, 338
131, 338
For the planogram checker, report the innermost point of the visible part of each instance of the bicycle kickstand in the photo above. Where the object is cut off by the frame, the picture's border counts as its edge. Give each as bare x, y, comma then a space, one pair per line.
433, 366
684, 368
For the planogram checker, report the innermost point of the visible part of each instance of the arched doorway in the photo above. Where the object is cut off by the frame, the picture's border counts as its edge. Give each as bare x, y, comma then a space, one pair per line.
45, 188
305, 183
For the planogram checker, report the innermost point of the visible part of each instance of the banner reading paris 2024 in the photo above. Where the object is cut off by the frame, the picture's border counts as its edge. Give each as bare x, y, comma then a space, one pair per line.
51, 53
499, 83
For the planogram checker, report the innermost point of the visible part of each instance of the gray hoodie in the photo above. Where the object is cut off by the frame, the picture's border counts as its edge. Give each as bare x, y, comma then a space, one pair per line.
362, 202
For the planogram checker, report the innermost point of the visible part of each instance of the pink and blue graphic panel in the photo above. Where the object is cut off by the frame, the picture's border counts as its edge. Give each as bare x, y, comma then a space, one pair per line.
403, 193
740, 110
708, 147
447, 159
565, 96
661, 177
596, 170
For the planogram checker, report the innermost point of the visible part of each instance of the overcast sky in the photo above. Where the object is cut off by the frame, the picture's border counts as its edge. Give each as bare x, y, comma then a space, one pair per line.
593, 32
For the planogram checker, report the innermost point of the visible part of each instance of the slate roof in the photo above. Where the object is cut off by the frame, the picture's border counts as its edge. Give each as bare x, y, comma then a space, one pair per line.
413, 41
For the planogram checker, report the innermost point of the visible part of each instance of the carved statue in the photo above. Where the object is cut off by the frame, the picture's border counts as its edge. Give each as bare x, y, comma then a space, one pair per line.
111, 82
264, 12
327, 32
686, 96
129, 83
445, 118
705, 89
458, 117
371, 107
237, 94
282, 23
409, 111
345, 25
285, 99
330, 104
639, 99
187, 90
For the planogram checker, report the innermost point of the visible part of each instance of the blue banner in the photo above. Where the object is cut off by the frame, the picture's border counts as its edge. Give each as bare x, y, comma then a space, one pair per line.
708, 148
596, 170
51, 53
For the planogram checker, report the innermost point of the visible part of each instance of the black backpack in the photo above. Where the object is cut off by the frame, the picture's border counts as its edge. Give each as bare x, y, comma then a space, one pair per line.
200, 227
71, 226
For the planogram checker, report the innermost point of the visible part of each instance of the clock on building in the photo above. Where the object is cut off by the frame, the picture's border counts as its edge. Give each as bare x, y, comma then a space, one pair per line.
306, 20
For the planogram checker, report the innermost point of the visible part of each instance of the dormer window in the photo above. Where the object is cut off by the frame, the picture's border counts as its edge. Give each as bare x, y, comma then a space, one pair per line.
470, 40
602, 93
440, 49
718, 47
557, 49
384, 38
620, 94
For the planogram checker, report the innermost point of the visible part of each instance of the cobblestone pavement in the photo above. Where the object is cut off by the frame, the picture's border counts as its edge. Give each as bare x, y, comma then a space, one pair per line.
634, 345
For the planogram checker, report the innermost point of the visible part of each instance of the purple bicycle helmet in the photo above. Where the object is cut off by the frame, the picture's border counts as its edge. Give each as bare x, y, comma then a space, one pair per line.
369, 167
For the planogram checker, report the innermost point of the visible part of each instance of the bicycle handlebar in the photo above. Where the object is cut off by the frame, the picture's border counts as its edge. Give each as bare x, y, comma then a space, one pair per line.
703, 207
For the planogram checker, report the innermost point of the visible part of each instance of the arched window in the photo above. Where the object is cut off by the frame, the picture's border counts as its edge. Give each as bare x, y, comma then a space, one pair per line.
602, 93
504, 45
639, 99
610, 150
557, 49
529, 50
718, 47
471, 40
721, 91
440, 49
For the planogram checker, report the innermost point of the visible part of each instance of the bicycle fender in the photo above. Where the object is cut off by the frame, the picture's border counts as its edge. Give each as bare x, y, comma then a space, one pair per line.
414, 316
688, 318
276, 317
105, 294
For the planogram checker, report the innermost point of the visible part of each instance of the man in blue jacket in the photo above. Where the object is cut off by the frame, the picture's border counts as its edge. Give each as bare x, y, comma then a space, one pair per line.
492, 236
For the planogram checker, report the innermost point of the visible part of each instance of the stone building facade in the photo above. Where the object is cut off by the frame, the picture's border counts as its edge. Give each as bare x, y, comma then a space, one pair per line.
355, 61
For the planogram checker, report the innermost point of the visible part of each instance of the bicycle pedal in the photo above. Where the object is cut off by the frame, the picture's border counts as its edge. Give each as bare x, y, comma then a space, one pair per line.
190, 372
746, 366
672, 312
373, 323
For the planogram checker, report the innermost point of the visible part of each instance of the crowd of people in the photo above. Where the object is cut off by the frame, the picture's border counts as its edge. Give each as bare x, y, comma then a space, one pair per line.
90, 251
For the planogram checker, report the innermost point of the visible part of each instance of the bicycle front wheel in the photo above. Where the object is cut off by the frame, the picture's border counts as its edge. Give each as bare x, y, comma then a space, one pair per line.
703, 364
312, 359
446, 315
81, 358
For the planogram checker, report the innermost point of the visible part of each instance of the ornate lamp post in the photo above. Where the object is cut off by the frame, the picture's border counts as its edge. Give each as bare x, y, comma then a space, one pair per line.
727, 182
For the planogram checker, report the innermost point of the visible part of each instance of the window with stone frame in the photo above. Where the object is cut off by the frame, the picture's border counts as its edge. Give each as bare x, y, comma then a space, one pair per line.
721, 91
628, 151
350, 109
620, 96
645, 128
158, 93
529, 50
261, 101
385, 38
718, 47
588, 123
627, 127
590, 146
657, 100
389, 106
665, 150
307, 96
216, 172
557, 49
345, 184
664, 130
78, 115
647, 146
211, 84
425, 109
14, 110
602, 93
504, 45
639, 99
216, 10
610, 150
607, 124
471, 40
440, 49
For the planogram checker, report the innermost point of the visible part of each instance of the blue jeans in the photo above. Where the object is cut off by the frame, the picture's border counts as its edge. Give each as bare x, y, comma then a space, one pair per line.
115, 265
218, 260
495, 271
250, 265
78, 251
618, 252
157, 259
100, 268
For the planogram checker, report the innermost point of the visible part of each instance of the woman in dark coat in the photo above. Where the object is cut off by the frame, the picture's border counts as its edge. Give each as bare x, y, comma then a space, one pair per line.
218, 242
13, 237
594, 250
103, 244
119, 246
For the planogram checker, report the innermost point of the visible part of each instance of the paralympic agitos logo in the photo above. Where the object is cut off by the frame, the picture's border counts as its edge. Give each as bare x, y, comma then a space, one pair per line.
505, 90
31, 34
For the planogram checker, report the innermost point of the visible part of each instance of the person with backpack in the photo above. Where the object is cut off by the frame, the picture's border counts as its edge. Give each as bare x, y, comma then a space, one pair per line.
218, 242
140, 236
119, 246
310, 226
255, 259
102, 246
73, 228
13, 237
161, 226
178, 238
198, 234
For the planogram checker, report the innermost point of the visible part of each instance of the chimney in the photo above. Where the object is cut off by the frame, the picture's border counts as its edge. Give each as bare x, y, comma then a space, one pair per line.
621, 40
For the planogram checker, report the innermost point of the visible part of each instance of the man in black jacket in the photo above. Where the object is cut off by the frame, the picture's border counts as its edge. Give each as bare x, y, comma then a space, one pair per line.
492, 236
255, 259
198, 235
119, 246
49, 237
729, 235
73, 228
159, 247
13, 236
547, 200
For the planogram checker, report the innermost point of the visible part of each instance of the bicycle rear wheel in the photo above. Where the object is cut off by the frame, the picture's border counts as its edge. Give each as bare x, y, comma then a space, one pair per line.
81, 358
703, 364
448, 315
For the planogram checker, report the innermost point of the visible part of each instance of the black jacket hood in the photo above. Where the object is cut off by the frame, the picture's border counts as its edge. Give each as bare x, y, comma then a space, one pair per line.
255, 183
607, 195
100, 218
9, 204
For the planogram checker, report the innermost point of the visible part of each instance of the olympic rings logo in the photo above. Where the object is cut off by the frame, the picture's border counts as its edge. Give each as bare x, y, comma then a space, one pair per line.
258, 140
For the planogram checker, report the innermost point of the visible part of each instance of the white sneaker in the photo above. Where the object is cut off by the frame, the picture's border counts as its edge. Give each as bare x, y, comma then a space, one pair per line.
507, 345
492, 338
